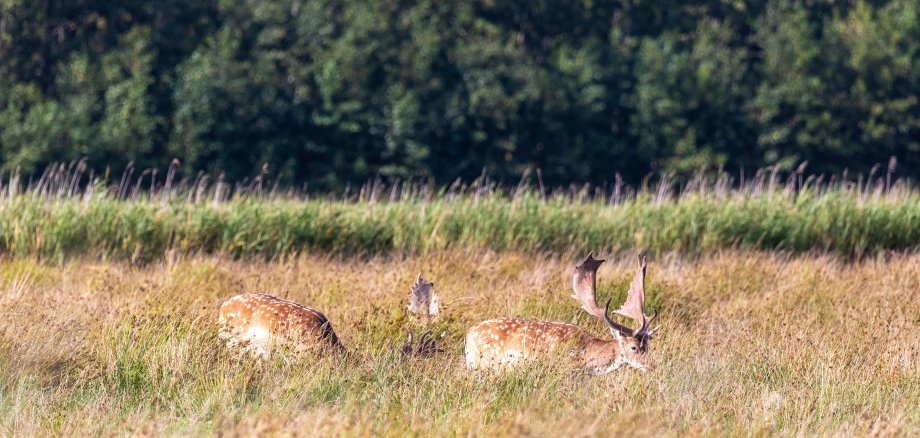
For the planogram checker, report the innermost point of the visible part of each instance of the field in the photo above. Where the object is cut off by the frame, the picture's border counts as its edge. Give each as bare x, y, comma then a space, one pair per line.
752, 343
787, 309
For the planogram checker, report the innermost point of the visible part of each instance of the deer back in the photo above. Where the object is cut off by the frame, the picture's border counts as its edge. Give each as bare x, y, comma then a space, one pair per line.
265, 319
499, 342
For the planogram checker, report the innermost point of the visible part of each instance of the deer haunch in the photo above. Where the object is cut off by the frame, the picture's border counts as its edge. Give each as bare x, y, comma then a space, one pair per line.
258, 323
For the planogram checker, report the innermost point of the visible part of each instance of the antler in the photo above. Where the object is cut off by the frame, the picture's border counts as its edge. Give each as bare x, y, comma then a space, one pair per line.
584, 284
422, 301
425, 347
634, 306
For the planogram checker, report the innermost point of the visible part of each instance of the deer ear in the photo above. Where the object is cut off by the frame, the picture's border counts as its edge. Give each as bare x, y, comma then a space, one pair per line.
434, 307
616, 335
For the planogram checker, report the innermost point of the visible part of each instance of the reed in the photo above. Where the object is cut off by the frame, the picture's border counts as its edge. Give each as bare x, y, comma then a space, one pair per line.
68, 212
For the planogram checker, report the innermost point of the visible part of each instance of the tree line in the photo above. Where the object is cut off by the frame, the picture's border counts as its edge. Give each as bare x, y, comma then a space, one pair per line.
332, 92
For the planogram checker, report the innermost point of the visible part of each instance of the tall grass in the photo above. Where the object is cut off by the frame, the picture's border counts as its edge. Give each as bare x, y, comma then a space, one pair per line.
57, 217
751, 344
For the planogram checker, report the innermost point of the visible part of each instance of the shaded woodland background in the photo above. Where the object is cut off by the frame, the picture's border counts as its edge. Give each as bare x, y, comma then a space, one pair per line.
336, 92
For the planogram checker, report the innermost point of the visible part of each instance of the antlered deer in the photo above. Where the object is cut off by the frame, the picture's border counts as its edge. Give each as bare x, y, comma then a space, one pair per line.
504, 342
258, 322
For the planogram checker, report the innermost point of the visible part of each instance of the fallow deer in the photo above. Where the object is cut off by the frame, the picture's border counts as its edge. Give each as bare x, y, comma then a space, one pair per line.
504, 342
259, 322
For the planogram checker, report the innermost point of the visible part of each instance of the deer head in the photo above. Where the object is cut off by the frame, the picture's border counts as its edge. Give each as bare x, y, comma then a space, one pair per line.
630, 345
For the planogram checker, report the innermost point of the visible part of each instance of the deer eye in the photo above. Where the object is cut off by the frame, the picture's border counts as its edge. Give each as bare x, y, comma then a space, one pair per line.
633, 348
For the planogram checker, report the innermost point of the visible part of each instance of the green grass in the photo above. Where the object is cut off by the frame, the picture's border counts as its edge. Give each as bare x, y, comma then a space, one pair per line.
766, 329
851, 224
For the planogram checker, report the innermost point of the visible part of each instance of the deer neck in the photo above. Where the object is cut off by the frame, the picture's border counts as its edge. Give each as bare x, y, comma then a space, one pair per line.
602, 356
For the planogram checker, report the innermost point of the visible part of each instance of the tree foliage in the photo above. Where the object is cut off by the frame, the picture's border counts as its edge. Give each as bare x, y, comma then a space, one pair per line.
332, 92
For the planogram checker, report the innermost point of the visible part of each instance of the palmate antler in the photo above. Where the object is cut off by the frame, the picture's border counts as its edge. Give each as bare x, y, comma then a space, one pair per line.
634, 306
584, 283
422, 300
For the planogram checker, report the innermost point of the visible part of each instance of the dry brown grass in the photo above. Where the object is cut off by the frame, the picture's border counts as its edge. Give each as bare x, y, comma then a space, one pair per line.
751, 344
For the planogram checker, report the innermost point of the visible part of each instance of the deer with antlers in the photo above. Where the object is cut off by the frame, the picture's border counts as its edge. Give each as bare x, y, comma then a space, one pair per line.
500, 343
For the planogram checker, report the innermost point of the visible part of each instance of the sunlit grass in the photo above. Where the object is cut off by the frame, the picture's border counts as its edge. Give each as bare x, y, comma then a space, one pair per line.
752, 343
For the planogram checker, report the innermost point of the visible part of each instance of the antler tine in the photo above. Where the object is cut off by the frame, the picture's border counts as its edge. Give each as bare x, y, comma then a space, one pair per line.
648, 323
613, 324
584, 285
425, 346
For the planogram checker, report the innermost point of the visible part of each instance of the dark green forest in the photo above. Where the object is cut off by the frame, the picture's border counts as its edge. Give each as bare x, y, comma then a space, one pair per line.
334, 92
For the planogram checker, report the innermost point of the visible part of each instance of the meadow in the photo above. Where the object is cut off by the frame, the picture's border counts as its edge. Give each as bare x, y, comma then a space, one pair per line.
752, 343
787, 309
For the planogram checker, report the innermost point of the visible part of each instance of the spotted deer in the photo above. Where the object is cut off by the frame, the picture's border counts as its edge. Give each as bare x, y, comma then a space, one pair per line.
257, 323
500, 343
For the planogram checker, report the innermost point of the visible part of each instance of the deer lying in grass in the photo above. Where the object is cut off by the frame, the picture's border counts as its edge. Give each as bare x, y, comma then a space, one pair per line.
259, 323
504, 342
